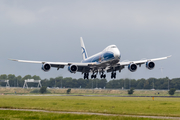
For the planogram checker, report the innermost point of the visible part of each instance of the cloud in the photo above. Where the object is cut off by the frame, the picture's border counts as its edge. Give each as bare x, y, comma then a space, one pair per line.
50, 30
90, 14
21, 16
17, 15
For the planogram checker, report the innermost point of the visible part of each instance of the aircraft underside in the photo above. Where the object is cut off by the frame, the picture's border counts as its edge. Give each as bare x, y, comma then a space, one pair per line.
102, 75
110, 65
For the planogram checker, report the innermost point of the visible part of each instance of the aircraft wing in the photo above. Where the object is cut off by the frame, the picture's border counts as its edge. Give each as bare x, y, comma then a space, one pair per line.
86, 67
81, 66
42, 62
139, 62
121, 65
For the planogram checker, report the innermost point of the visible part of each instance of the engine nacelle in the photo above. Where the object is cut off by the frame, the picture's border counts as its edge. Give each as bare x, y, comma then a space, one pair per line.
132, 67
46, 67
150, 65
73, 68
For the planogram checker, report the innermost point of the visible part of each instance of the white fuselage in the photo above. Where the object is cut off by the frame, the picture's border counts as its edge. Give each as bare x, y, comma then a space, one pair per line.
110, 54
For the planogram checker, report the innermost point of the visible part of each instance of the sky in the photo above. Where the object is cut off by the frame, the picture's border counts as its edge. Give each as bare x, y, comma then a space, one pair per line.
44, 30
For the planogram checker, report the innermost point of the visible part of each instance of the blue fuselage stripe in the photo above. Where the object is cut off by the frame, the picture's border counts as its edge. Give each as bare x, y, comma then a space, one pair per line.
100, 58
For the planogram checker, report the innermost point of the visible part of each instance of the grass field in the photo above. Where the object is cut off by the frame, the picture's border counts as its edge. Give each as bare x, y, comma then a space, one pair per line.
20, 98
112, 105
25, 115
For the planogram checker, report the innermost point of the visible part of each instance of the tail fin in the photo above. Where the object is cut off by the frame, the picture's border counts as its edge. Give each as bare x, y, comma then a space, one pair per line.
84, 52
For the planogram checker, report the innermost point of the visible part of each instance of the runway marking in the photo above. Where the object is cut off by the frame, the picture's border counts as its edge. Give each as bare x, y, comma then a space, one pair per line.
88, 113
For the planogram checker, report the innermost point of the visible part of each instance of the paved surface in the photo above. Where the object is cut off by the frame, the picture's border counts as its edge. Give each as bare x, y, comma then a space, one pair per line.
88, 113
95, 95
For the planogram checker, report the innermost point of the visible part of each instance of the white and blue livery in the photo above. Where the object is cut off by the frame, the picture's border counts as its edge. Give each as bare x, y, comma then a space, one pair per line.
108, 60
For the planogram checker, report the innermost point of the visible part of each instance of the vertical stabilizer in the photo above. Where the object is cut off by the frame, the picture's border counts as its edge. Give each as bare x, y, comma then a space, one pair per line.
84, 52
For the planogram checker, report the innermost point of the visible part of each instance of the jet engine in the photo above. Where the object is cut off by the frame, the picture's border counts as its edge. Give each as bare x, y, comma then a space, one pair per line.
150, 65
132, 67
46, 67
73, 68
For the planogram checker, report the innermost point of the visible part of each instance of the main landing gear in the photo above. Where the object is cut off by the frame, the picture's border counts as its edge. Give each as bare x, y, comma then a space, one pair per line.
113, 75
103, 75
86, 75
93, 76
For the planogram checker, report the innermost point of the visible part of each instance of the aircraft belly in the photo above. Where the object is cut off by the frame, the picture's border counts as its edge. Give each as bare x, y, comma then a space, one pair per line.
104, 65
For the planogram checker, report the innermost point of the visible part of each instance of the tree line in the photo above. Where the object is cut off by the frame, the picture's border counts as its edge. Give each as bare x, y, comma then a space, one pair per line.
151, 83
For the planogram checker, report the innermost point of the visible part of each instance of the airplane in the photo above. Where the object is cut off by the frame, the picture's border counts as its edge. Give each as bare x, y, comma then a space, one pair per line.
108, 60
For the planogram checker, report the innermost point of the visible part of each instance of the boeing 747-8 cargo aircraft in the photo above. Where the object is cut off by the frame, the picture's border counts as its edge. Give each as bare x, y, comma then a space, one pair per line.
107, 60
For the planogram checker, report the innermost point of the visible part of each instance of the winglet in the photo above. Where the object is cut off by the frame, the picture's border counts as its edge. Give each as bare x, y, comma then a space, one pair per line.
84, 52
169, 56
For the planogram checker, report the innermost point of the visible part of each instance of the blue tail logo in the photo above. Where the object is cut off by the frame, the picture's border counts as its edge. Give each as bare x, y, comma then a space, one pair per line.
84, 52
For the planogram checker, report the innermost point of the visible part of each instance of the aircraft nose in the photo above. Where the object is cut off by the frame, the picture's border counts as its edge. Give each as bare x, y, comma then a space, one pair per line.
117, 54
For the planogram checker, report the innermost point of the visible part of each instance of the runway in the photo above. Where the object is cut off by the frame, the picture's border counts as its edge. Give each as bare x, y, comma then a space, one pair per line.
101, 95
88, 113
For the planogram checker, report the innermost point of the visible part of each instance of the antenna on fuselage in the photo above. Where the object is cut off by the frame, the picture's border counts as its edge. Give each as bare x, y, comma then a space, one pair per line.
84, 52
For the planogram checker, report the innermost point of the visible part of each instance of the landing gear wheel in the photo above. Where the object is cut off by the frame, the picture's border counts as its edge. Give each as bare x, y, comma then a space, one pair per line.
103, 76
113, 75
93, 75
86, 75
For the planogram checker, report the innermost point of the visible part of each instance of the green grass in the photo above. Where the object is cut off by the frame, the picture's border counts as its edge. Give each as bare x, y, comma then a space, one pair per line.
26, 115
112, 105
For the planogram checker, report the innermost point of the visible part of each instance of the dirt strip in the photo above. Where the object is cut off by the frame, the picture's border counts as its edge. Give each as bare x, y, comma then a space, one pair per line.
88, 113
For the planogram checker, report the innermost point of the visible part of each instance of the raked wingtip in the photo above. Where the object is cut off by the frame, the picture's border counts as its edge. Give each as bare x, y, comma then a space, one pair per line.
12, 59
169, 56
